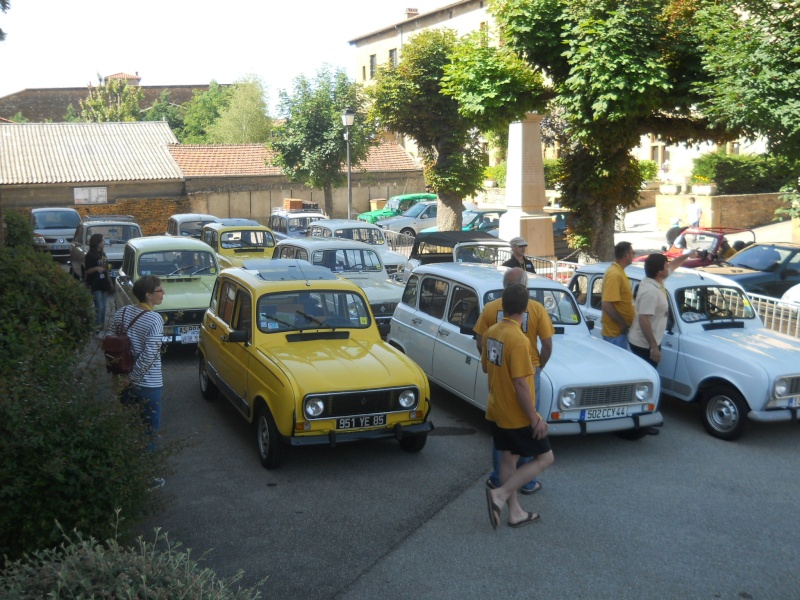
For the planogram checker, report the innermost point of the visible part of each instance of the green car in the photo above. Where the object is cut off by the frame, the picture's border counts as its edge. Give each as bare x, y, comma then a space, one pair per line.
396, 205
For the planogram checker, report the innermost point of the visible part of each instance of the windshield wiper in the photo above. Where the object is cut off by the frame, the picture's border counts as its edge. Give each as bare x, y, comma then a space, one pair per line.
309, 317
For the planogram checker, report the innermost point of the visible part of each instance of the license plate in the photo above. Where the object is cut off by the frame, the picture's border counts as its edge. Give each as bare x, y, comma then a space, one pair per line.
358, 422
60, 247
189, 334
593, 414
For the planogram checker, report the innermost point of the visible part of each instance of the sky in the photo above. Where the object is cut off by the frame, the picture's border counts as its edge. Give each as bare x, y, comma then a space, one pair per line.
58, 43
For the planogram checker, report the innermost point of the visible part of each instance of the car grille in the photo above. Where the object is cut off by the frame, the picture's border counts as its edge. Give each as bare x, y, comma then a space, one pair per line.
606, 395
347, 404
383, 309
794, 386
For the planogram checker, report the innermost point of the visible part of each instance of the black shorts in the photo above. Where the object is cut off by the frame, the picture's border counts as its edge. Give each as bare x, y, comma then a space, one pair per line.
519, 441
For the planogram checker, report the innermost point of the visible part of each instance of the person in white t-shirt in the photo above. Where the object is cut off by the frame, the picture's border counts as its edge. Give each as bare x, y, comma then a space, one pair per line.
693, 212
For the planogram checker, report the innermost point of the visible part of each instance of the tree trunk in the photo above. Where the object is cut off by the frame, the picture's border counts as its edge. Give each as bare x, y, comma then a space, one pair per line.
602, 240
327, 192
448, 217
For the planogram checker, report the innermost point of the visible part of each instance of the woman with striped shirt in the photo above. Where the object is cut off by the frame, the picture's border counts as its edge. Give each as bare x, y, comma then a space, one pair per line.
145, 382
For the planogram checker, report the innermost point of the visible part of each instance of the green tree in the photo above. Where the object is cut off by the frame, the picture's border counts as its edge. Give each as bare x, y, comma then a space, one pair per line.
19, 118
164, 110
112, 101
435, 96
72, 115
619, 70
4, 6
201, 111
309, 146
752, 49
245, 120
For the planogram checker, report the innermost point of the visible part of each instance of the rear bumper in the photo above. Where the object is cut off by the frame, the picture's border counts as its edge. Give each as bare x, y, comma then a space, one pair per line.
606, 425
332, 438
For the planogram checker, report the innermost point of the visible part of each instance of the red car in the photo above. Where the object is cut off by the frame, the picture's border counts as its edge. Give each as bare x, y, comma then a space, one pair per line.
708, 242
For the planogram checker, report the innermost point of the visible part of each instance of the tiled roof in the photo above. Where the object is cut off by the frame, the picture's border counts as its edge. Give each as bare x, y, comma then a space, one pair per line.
33, 153
232, 160
50, 104
124, 76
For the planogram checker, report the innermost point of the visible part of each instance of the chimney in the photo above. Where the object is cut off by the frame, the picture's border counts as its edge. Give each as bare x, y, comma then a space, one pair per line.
411, 13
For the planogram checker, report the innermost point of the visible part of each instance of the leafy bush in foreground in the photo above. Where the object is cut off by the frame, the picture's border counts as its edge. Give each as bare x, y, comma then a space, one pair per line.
85, 568
19, 231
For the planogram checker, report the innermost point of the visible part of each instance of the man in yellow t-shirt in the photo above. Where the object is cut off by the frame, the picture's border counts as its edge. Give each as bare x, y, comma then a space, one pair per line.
517, 429
538, 326
618, 311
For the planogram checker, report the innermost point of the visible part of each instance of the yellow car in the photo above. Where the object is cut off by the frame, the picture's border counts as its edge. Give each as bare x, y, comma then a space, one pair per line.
236, 243
297, 351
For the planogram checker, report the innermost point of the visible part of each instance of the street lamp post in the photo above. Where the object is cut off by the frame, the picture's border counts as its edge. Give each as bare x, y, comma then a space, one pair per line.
348, 118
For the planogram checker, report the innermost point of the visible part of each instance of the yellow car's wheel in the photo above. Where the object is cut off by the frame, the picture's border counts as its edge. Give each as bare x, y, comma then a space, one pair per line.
268, 440
207, 387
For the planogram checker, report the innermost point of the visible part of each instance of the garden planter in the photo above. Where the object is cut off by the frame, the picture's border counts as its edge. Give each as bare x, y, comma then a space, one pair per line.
669, 188
707, 189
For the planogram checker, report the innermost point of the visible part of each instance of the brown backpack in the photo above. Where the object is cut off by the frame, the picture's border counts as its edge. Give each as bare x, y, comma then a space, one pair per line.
118, 351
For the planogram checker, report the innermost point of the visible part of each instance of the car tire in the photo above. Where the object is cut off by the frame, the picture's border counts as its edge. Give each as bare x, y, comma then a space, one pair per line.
413, 443
724, 412
408, 231
268, 441
207, 387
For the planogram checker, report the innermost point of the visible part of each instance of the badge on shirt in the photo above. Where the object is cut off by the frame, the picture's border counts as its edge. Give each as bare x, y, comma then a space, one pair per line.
494, 352
524, 320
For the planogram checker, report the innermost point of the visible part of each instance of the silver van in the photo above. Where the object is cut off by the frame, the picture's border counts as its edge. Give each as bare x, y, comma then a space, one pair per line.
54, 229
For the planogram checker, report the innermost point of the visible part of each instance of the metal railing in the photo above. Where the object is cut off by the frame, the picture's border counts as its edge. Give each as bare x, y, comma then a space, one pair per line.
558, 270
782, 317
399, 242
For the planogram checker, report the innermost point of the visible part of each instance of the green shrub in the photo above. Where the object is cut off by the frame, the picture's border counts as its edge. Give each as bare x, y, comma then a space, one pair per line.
743, 174
69, 452
42, 308
19, 231
553, 173
497, 173
649, 170
85, 568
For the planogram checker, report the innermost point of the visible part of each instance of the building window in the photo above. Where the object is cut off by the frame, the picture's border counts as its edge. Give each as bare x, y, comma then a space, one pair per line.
373, 65
363, 73
393, 57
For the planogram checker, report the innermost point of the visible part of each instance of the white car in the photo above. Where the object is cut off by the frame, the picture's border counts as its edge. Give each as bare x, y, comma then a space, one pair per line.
587, 386
116, 230
287, 224
716, 351
356, 261
792, 295
361, 232
420, 216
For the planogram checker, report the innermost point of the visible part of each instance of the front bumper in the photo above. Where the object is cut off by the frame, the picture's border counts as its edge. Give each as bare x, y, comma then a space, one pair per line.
332, 438
606, 425
774, 416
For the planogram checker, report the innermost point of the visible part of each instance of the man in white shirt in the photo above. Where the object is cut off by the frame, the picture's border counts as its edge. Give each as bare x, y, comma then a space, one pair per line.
693, 212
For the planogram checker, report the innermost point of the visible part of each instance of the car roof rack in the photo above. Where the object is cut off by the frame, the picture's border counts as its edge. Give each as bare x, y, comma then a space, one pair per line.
110, 218
288, 269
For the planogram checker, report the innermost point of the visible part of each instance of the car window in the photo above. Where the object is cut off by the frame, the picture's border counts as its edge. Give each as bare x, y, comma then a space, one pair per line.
114, 234
464, 308
244, 310
759, 258
430, 212
708, 303
579, 287
227, 301
177, 263
247, 238
373, 237
410, 293
559, 304
415, 210
351, 260
212, 305
290, 311
128, 259
433, 297
56, 219
597, 293
793, 266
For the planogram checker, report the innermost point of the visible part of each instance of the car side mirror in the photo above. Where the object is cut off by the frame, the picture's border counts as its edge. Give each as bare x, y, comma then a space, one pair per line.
241, 336
590, 324
468, 331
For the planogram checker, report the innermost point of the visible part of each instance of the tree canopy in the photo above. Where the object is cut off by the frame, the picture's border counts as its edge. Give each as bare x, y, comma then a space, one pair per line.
111, 101
439, 94
309, 145
619, 70
752, 50
201, 111
245, 119
164, 110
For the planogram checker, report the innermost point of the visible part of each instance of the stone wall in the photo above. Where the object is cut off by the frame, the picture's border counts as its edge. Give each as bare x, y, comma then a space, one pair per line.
745, 210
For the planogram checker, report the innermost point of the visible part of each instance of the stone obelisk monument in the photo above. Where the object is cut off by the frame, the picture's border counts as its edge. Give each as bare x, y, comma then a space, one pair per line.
525, 197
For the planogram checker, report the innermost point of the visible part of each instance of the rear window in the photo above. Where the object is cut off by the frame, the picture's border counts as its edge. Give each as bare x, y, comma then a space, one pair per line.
56, 219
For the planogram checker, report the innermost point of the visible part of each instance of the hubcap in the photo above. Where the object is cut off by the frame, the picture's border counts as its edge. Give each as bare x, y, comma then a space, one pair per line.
263, 436
722, 413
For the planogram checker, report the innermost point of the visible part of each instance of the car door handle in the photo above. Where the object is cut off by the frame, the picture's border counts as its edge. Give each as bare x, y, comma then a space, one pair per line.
444, 332
416, 320
667, 344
